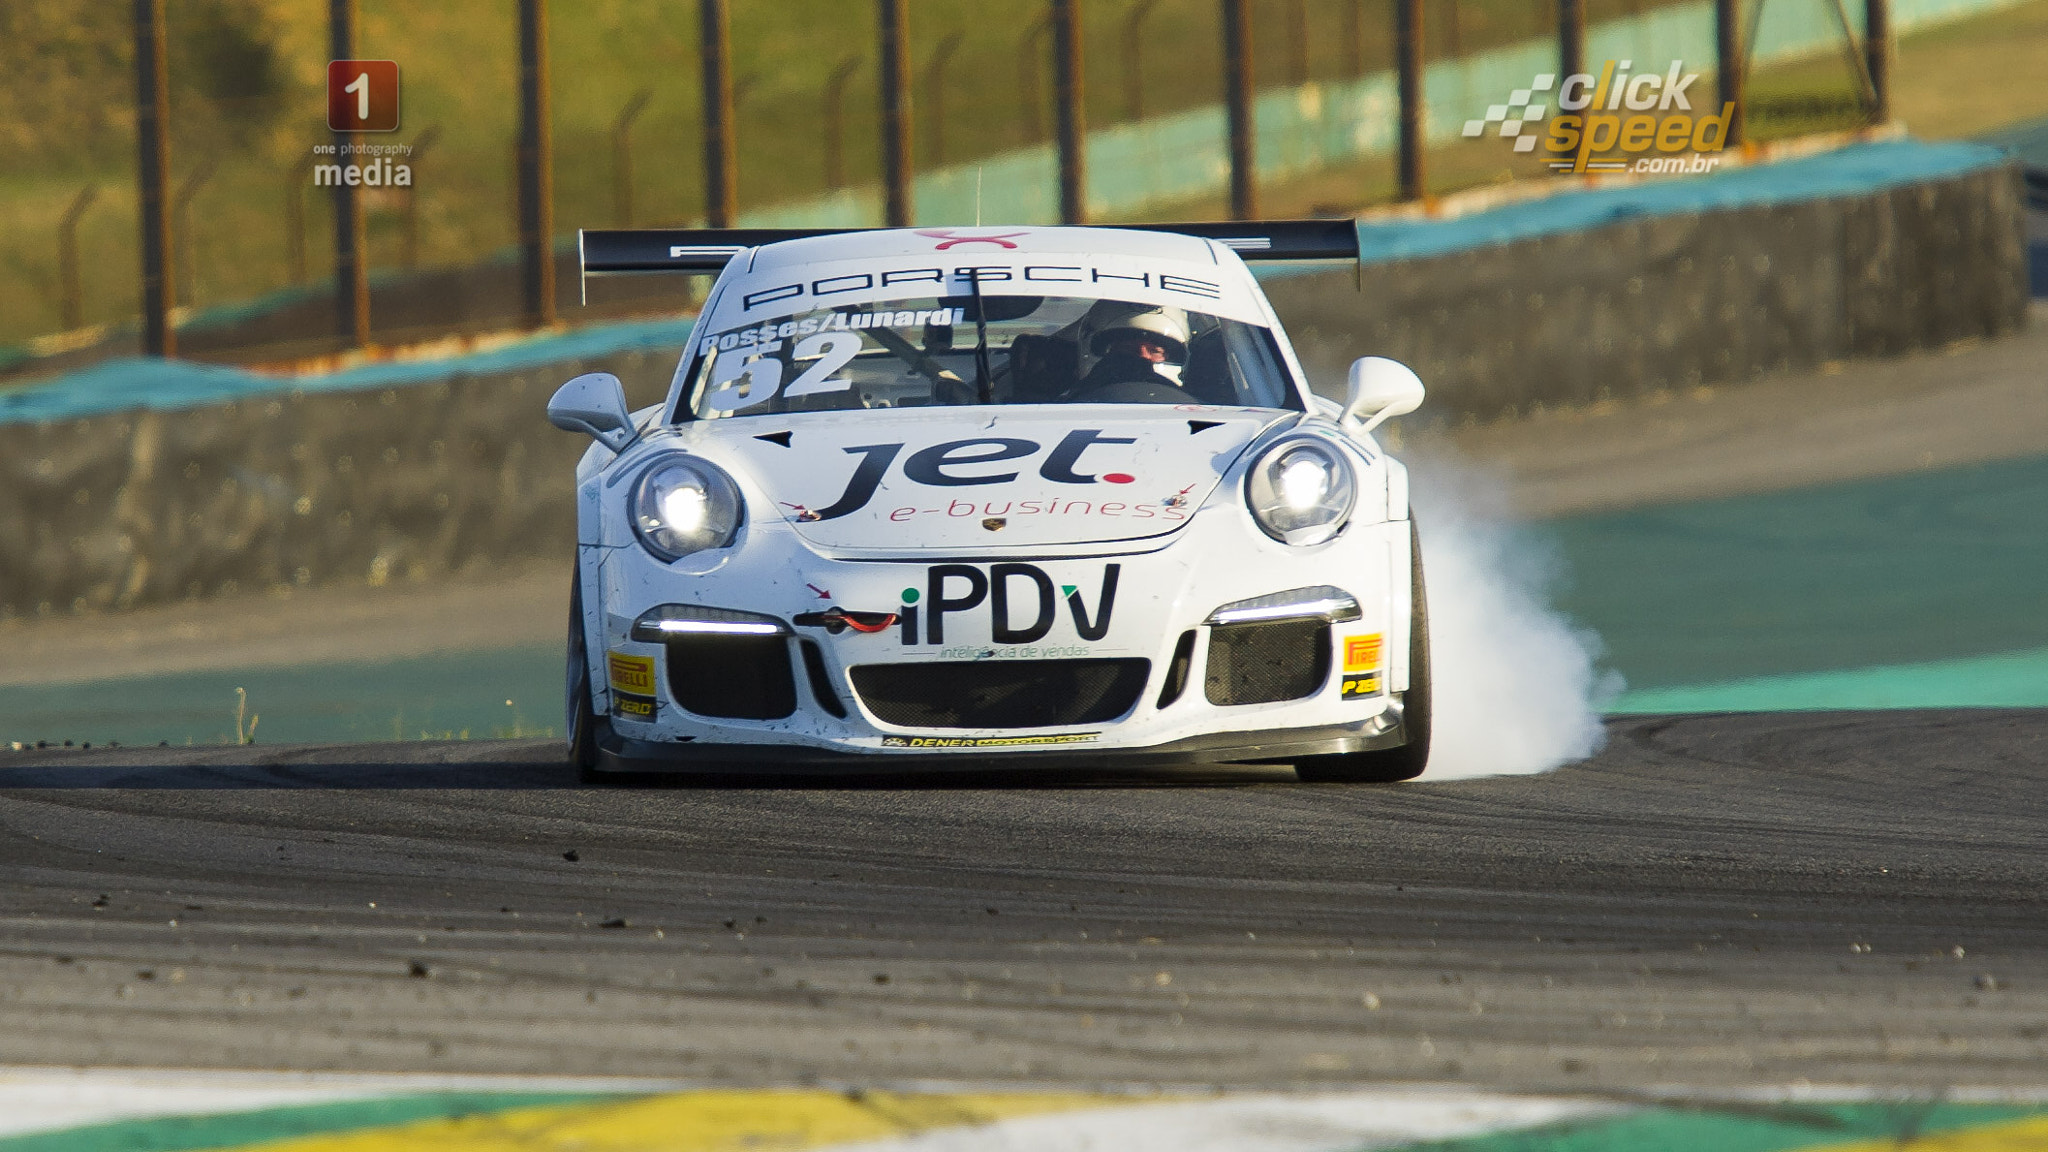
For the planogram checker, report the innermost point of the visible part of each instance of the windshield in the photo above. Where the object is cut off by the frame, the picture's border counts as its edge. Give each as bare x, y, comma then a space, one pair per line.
951, 350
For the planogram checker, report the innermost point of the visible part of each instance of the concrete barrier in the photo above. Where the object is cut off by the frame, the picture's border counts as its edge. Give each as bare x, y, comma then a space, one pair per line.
1658, 302
123, 509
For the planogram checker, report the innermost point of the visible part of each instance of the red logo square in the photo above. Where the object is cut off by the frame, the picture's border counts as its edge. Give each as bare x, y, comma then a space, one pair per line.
1362, 653
362, 95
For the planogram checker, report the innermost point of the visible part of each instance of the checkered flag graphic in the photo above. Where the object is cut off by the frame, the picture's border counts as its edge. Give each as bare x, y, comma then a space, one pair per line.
1516, 114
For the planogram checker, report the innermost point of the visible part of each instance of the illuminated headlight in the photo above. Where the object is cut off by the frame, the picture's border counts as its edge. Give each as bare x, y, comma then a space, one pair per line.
1301, 491
683, 505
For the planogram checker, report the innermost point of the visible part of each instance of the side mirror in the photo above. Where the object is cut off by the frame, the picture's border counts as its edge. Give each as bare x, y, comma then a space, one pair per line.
595, 404
1380, 389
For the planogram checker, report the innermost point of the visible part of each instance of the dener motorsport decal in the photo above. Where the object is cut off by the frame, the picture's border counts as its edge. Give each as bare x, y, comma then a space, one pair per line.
988, 741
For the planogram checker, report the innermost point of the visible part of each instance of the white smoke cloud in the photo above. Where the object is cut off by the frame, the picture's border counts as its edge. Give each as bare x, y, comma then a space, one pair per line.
1517, 687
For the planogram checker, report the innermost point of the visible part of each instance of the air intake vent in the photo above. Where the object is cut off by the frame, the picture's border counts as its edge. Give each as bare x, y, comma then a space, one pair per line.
1177, 671
1264, 663
821, 683
1001, 693
732, 677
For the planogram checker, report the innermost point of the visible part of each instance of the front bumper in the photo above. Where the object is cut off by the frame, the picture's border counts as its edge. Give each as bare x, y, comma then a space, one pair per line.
1165, 593
624, 755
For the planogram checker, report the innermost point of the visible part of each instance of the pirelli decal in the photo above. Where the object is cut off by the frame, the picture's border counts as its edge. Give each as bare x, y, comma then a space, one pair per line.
632, 679
632, 673
1361, 666
988, 741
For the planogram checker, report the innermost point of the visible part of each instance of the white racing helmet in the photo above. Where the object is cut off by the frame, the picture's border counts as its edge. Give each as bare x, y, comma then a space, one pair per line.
1168, 325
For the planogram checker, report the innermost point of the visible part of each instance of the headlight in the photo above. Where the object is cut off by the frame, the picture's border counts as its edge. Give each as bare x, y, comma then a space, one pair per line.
682, 505
1300, 491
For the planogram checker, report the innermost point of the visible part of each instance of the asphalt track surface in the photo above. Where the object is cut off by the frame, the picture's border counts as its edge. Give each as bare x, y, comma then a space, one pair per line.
1712, 901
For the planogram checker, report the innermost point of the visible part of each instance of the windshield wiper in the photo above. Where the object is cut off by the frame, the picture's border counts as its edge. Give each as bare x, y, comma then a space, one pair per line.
917, 358
984, 383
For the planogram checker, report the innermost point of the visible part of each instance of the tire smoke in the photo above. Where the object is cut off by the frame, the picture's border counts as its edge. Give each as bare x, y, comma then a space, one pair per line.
1517, 687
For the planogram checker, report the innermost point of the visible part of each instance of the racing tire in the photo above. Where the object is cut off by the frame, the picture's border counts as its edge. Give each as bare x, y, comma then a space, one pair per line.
1406, 762
584, 725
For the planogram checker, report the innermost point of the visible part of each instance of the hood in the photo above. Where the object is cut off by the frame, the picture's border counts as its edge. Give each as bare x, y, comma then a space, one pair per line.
981, 478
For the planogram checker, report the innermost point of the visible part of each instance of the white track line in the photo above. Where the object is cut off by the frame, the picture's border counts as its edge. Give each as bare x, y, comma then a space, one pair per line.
44, 1099
1255, 1123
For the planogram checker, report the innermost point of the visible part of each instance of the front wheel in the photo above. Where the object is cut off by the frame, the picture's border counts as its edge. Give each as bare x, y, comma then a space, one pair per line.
583, 722
1407, 761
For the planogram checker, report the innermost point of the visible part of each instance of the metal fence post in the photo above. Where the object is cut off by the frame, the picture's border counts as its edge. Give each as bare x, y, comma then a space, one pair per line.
295, 181
1237, 98
1408, 63
536, 167
1030, 69
720, 167
935, 96
622, 157
1354, 38
71, 289
895, 32
1571, 38
1297, 42
1134, 58
181, 229
1072, 114
420, 144
351, 261
834, 113
153, 177
1877, 54
1729, 65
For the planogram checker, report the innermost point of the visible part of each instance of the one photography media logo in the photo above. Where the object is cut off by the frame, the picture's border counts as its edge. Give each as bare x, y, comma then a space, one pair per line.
362, 95
1614, 120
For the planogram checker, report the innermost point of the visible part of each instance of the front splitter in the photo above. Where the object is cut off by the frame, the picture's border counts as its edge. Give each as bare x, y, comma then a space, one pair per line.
624, 755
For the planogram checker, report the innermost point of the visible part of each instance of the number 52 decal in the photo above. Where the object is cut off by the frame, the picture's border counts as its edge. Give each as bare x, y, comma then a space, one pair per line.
736, 384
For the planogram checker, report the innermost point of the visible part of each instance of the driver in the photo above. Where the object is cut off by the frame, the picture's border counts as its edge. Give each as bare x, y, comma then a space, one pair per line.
1134, 349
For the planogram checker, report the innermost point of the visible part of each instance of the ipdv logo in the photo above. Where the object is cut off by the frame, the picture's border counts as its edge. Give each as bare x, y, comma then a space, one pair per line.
1613, 121
994, 589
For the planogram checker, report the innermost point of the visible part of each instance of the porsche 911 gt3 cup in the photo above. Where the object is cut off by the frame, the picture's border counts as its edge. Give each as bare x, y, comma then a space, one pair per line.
1016, 497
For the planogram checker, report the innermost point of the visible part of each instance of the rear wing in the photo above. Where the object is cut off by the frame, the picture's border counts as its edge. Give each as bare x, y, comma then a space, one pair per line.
610, 252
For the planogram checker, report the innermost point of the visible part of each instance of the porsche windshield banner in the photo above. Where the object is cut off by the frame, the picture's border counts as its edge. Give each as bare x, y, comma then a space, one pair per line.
842, 284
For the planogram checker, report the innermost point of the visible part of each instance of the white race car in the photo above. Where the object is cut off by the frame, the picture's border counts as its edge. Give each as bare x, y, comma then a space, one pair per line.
992, 497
